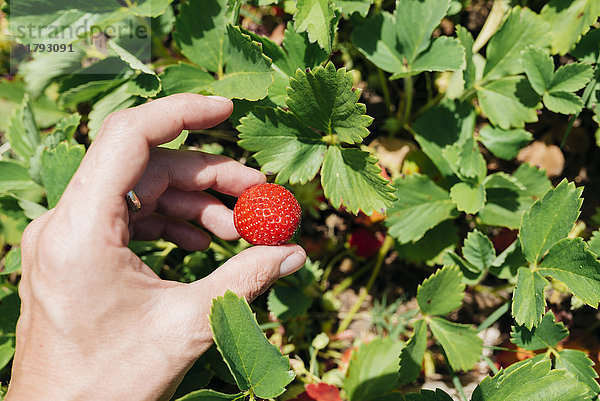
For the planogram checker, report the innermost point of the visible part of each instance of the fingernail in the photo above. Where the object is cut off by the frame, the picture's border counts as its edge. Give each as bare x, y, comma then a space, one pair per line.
219, 98
292, 263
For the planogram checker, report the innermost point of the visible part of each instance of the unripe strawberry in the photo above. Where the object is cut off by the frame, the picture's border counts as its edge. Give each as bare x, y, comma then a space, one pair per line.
266, 214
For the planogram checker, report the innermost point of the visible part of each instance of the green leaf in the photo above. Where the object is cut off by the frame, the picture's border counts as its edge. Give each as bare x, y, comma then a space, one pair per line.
255, 364
282, 145
442, 292
117, 99
587, 49
469, 198
466, 160
546, 335
248, 72
506, 204
533, 381
10, 306
594, 242
7, 350
571, 262
12, 263
539, 68
177, 142
430, 248
443, 125
200, 33
571, 77
350, 177
428, 395
65, 129
43, 68
325, 100
529, 301
22, 132
403, 49
471, 273
315, 17
569, 20
505, 144
373, 369
479, 250
145, 85
287, 302
563, 102
15, 177
420, 206
350, 7
460, 342
132, 60
520, 29
210, 395
183, 77
509, 102
466, 40
150, 8
58, 166
411, 356
577, 363
549, 220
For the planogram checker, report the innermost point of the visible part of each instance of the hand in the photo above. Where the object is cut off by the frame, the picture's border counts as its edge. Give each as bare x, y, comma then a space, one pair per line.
96, 323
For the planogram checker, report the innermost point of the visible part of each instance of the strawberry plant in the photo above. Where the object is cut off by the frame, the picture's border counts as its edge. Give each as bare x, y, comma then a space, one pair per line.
451, 254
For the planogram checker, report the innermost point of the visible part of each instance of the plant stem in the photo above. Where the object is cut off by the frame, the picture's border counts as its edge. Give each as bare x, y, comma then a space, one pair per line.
497, 314
386, 91
455, 380
408, 94
331, 264
365, 290
490, 364
347, 282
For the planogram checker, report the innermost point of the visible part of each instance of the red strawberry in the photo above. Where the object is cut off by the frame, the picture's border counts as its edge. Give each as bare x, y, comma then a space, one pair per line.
365, 242
266, 214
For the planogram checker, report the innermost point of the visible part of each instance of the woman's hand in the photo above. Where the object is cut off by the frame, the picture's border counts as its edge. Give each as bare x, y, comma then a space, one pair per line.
96, 323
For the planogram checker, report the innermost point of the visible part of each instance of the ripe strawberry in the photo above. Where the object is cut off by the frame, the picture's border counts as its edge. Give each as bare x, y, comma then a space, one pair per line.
266, 214
365, 242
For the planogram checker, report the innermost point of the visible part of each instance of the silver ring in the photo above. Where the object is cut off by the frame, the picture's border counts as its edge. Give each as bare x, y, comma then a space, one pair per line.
133, 202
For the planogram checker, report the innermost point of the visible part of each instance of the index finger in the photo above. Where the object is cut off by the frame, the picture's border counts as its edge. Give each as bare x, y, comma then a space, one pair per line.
118, 157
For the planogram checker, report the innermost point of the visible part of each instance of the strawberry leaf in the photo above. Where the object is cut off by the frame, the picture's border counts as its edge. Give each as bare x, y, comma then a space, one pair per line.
468, 197
411, 356
325, 100
420, 206
479, 250
547, 334
57, 168
350, 178
549, 220
403, 50
241, 69
569, 20
22, 133
571, 262
520, 29
460, 342
529, 301
315, 17
532, 380
117, 99
509, 102
255, 364
442, 292
506, 202
504, 144
282, 145
287, 302
594, 242
184, 77
373, 369
577, 363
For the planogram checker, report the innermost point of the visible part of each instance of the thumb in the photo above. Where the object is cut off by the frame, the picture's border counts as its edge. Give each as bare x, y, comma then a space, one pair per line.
253, 270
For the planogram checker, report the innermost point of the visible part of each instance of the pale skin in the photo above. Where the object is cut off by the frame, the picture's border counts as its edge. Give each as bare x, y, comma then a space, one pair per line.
96, 322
